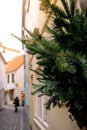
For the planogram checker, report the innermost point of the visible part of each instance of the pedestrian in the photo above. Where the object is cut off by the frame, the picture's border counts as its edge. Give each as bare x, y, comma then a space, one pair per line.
16, 102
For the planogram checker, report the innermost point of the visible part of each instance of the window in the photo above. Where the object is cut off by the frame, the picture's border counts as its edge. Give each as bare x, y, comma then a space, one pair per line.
12, 78
42, 111
39, 106
8, 78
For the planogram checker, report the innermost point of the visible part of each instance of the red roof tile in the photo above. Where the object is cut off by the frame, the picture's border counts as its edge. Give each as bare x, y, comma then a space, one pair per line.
15, 64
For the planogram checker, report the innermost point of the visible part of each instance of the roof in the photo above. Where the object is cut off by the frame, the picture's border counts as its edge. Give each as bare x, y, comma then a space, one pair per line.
15, 64
2, 57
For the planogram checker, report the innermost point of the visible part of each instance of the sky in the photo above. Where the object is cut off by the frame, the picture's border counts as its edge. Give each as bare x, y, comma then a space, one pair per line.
10, 22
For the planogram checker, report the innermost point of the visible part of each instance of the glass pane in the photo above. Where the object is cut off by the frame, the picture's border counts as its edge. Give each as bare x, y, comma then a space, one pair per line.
45, 110
40, 107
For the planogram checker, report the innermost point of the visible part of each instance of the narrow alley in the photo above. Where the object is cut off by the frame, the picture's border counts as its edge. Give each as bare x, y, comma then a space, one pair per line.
43, 65
9, 120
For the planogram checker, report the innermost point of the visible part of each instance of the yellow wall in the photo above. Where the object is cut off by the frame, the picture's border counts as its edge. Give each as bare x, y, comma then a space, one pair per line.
58, 119
32, 104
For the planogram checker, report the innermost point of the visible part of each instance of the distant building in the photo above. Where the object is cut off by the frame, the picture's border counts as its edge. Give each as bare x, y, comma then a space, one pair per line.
14, 79
2, 80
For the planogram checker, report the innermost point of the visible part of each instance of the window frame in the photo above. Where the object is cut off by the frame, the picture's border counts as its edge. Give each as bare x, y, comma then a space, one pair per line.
8, 78
40, 108
12, 78
41, 117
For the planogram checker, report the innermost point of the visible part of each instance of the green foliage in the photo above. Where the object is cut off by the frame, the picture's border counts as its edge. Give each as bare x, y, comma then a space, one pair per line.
63, 59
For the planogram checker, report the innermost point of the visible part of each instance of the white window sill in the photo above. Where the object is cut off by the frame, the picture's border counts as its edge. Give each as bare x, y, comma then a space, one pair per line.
40, 123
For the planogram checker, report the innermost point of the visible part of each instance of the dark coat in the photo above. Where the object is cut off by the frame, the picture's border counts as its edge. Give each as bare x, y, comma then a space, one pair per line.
16, 101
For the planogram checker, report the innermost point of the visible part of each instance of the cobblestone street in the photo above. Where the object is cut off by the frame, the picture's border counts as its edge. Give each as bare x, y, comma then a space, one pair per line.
9, 120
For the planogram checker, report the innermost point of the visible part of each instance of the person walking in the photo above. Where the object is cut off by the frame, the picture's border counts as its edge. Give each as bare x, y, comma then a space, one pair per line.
16, 102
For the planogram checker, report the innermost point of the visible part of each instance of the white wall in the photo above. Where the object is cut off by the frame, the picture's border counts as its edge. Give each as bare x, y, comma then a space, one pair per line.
31, 18
10, 85
18, 84
19, 76
2, 80
19, 79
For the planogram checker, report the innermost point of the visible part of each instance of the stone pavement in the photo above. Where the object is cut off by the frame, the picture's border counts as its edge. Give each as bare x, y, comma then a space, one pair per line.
9, 120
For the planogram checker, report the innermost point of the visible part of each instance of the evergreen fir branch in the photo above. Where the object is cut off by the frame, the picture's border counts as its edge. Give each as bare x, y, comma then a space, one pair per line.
58, 12
62, 23
46, 4
72, 7
38, 90
37, 72
37, 49
63, 59
66, 7
29, 33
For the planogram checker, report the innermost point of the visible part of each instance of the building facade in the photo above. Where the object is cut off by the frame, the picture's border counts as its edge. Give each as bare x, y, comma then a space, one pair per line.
2, 79
14, 79
39, 117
